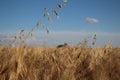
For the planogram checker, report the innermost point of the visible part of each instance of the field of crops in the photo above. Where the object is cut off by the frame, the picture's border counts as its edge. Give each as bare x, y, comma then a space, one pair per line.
64, 63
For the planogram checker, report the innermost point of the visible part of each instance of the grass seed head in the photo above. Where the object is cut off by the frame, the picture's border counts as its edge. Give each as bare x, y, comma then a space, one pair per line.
47, 30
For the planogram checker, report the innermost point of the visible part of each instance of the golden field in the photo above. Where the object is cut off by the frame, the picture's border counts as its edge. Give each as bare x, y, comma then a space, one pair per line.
64, 63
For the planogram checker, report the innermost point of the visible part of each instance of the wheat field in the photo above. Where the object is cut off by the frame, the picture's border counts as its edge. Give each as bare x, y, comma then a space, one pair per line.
64, 63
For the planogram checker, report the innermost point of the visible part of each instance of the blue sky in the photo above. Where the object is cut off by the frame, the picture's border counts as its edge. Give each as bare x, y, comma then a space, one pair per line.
88, 16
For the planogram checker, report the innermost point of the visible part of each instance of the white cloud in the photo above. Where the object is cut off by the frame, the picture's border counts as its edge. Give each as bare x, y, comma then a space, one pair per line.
71, 37
92, 20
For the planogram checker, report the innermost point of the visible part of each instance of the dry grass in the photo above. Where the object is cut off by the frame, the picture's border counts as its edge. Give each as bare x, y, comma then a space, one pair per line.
65, 63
